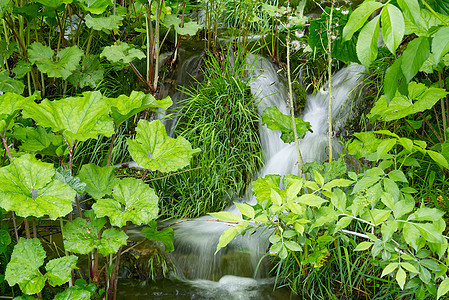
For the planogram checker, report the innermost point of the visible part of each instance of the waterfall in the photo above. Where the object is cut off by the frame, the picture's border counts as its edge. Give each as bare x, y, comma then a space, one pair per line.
196, 241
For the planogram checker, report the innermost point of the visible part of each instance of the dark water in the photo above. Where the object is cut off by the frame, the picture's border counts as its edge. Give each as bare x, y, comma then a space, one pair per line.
227, 288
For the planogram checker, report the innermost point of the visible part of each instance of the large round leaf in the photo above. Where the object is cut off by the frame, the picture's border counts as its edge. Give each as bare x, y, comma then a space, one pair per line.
27, 187
155, 150
133, 201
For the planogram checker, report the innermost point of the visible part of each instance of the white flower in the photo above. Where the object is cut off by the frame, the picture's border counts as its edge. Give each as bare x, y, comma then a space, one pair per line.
299, 33
345, 11
333, 36
295, 45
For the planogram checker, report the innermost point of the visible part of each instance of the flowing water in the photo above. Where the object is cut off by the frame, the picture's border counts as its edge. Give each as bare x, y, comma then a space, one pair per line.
238, 271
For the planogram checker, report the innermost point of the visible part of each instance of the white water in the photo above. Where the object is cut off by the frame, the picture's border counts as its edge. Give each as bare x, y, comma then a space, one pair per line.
196, 241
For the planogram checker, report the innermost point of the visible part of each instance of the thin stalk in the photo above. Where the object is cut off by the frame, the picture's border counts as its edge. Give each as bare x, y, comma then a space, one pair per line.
34, 228
16, 233
292, 108
433, 129
89, 42
110, 148
5, 143
61, 31
27, 228
329, 74
443, 107
148, 42
156, 46
436, 14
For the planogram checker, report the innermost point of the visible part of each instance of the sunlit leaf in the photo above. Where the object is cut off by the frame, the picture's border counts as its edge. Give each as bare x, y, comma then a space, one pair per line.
78, 118
65, 64
123, 107
81, 237
166, 236
89, 73
245, 209
73, 293
106, 24
414, 56
226, 216
26, 259
59, 270
226, 237
359, 17
367, 42
96, 6
122, 53
363, 246
390, 268
27, 187
8, 84
99, 180
443, 288
133, 201
153, 149
393, 27
275, 120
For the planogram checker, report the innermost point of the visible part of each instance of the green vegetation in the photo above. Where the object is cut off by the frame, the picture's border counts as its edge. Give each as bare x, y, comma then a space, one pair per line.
80, 79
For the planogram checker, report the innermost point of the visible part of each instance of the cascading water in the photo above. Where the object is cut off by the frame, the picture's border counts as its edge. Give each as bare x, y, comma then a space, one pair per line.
226, 274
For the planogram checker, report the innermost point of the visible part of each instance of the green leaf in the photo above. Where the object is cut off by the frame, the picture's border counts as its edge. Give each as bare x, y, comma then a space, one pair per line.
440, 44
390, 268
293, 246
27, 187
82, 237
78, 118
410, 9
245, 209
393, 79
411, 235
99, 180
388, 229
393, 27
96, 7
54, 3
59, 270
26, 259
66, 177
397, 175
367, 42
392, 188
123, 107
402, 207
106, 24
430, 264
430, 232
22, 68
263, 185
11, 102
122, 53
166, 236
311, 200
343, 223
414, 56
189, 28
65, 64
338, 199
365, 183
39, 139
153, 149
443, 288
385, 146
226, 216
226, 237
400, 277
10, 85
420, 98
426, 214
133, 201
275, 120
340, 182
438, 158
89, 73
276, 198
409, 267
5, 240
73, 293
363, 246
359, 17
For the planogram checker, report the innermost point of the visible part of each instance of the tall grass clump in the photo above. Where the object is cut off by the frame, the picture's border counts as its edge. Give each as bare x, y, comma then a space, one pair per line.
219, 117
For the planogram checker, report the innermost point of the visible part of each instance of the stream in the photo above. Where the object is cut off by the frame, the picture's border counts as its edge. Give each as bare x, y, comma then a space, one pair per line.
241, 270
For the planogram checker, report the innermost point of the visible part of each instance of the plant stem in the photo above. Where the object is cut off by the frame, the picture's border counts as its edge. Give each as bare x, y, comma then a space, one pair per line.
111, 146
443, 109
290, 100
27, 228
6, 148
329, 74
16, 233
